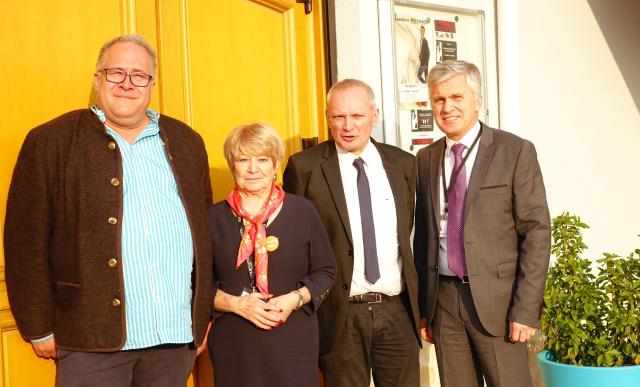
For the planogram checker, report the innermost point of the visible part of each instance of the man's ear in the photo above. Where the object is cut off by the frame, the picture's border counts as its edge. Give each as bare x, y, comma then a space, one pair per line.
478, 103
96, 79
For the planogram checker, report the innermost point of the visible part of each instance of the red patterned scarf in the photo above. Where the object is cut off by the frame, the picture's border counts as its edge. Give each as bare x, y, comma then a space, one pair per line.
253, 238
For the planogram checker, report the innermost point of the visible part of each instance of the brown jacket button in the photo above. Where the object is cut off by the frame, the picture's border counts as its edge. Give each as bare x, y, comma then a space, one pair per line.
115, 182
112, 220
115, 302
112, 145
113, 262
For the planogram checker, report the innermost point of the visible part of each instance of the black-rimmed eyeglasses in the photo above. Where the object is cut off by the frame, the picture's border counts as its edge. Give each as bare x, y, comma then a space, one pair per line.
138, 79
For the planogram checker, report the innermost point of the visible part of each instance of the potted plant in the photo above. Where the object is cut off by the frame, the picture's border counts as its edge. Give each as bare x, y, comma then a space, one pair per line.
591, 316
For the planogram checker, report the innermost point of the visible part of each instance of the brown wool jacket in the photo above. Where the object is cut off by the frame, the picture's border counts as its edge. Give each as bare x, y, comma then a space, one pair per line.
62, 231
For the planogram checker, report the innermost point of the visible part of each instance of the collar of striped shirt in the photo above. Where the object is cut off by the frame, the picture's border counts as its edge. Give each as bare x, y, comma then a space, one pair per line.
152, 114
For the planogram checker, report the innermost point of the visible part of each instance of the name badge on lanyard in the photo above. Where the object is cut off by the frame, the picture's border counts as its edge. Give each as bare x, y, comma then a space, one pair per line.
250, 266
443, 228
446, 189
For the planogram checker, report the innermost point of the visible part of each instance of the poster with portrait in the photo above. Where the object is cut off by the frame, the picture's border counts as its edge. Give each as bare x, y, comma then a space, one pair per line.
423, 37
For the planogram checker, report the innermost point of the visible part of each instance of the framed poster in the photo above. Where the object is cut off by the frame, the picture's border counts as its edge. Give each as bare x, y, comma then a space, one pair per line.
421, 35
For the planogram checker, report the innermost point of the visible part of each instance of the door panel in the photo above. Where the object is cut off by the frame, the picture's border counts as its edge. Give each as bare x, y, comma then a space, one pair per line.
251, 77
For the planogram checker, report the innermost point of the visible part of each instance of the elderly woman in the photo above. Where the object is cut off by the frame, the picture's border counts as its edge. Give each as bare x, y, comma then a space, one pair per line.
273, 264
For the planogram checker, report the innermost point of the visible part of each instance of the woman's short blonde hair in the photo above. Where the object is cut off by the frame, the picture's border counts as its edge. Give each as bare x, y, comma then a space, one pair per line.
255, 139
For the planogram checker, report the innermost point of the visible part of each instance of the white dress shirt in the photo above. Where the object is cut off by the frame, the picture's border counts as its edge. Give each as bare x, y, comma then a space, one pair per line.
467, 141
384, 220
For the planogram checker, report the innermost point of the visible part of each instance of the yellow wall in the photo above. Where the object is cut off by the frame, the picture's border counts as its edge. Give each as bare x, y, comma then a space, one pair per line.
220, 64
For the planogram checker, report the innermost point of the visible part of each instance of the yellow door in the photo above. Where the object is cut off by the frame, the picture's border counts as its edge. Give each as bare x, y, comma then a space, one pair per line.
249, 61
221, 63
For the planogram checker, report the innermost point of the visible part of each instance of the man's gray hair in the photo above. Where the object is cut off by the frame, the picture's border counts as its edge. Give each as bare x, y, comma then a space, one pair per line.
129, 38
450, 68
352, 83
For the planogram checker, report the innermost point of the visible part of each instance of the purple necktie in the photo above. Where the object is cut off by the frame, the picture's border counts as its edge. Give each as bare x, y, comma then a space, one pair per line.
371, 269
455, 216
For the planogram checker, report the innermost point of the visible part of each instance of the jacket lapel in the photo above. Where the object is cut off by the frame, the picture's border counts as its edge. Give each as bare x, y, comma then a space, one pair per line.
480, 166
434, 177
331, 170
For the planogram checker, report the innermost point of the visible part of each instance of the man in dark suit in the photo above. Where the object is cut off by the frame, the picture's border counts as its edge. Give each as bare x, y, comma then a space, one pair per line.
424, 56
482, 238
369, 321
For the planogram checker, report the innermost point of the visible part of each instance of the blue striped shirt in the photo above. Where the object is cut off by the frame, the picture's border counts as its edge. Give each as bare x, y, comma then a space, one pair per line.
157, 248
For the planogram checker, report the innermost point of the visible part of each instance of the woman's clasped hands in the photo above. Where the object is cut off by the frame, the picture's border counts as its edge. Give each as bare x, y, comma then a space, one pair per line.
264, 312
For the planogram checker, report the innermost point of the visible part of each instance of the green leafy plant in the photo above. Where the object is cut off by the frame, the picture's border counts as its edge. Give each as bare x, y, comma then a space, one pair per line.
591, 316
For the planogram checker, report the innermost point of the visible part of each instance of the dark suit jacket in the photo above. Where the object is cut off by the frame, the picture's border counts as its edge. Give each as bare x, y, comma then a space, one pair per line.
315, 174
506, 230
424, 52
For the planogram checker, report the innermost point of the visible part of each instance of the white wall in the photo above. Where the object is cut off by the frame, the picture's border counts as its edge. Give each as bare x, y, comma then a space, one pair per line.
579, 112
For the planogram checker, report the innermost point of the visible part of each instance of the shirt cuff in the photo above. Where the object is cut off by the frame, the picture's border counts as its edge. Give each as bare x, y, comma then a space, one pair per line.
43, 339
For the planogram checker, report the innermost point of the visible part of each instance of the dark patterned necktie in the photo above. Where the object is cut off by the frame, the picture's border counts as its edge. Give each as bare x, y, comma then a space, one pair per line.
371, 269
455, 216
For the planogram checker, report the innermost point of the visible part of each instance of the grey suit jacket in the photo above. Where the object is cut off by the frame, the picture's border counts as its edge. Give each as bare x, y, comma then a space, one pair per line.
506, 230
315, 174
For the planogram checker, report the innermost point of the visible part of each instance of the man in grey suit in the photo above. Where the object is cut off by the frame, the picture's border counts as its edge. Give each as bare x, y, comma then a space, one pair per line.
369, 321
482, 238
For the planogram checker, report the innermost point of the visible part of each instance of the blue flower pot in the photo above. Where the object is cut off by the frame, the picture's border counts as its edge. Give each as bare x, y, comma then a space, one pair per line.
563, 375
